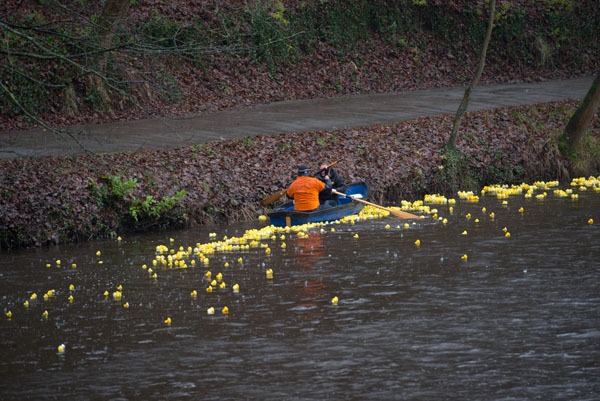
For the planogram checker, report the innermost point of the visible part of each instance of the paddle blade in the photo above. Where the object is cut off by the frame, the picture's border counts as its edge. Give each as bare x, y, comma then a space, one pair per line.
272, 198
401, 214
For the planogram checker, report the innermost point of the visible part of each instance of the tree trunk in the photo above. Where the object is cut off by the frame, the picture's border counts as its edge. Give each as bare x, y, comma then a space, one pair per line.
113, 13
576, 129
462, 109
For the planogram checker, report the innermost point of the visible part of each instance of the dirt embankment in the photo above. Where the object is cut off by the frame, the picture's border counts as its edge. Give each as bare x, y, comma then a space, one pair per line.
75, 198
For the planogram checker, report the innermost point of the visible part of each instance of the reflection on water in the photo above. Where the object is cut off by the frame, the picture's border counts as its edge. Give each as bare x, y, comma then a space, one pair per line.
519, 319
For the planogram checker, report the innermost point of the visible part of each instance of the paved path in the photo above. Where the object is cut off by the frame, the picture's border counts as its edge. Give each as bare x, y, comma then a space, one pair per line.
284, 117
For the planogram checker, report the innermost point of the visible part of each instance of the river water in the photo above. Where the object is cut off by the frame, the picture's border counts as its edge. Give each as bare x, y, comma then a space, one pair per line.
518, 319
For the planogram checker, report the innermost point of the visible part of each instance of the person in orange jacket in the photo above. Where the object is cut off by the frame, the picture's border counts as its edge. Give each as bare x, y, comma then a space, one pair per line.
305, 190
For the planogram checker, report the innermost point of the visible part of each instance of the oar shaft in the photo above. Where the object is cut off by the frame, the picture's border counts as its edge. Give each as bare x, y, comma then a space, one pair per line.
398, 213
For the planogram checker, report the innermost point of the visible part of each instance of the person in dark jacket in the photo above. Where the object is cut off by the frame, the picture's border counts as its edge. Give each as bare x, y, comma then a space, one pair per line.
337, 183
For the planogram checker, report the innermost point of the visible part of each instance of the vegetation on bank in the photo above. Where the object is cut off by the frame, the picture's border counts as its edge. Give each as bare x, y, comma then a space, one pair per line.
76, 198
72, 61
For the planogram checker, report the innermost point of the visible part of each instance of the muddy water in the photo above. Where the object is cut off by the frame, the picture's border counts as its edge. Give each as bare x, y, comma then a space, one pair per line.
519, 319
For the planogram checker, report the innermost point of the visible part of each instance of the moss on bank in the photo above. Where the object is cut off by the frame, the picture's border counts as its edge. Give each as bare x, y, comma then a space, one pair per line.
76, 198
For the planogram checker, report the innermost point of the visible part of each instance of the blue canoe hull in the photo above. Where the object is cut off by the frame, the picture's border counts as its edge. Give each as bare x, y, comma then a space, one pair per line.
285, 215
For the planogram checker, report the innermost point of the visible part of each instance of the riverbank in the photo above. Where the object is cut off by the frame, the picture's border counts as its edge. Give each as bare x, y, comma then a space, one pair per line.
52, 200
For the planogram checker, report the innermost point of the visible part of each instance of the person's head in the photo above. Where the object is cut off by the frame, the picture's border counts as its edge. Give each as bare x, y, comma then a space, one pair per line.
323, 170
303, 170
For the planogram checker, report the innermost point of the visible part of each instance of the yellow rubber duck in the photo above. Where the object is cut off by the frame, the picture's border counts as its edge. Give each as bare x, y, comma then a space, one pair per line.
418, 243
464, 233
334, 300
126, 305
210, 311
194, 293
117, 295
209, 289
26, 304
33, 296
9, 314
45, 315
269, 274
168, 321
71, 299
61, 348
98, 253
521, 210
219, 277
464, 257
591, 221
73, 265
507, 234
236, 287
355, 236
225, 310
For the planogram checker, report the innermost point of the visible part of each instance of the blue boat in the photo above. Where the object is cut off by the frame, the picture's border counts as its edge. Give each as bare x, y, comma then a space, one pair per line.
285, 215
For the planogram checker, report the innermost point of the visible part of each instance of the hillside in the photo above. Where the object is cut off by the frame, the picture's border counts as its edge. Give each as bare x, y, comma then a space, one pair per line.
171, 58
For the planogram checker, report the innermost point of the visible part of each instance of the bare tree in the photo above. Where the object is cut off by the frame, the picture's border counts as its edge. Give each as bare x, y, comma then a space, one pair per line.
462, 108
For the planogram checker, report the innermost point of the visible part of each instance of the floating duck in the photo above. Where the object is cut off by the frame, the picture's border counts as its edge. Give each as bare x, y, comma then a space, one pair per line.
58, 262
521, 210
468, 215
98, 253
71, 287
464, 233
126, 305
505, 229
236, 288
9, 314
45, 315
225, 310
222, 285
194, 293
117, 295
269, 274
26, 304
209, 289
219, 277
33, 296
168, 321
355, 236
61, 348
334, 300
464, 257
591, 221
71, 299
507, 234
418, 243
210, 311
73, 265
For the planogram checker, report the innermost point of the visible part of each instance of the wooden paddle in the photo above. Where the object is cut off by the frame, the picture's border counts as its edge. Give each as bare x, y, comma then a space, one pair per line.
397, 213
275, 197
